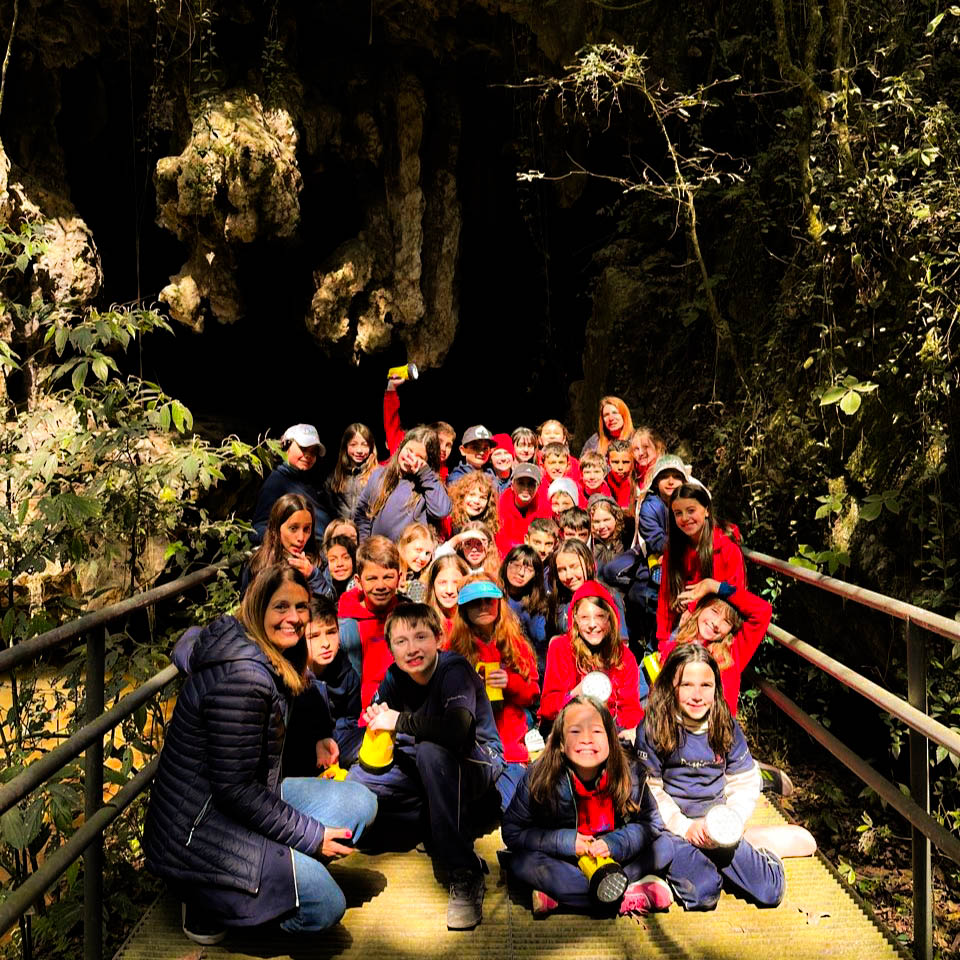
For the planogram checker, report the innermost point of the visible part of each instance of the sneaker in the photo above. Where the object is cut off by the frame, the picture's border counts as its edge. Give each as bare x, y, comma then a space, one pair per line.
465, 906
206, 932
542, 903
650, 893
775, 780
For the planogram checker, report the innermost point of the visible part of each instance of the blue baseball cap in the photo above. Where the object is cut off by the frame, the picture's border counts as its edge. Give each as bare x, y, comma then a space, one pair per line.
477, 590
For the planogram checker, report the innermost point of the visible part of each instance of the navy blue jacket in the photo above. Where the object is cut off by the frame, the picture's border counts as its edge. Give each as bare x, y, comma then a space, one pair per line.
216, 817
454, 685
463, 468
430, 504
329, 707
654, 523
552, 828
286, 479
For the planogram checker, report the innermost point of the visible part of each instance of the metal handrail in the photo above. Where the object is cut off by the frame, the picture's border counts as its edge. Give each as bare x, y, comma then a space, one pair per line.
54, 866
29, 649
43, 768
933, 622
913, 713
911, 811
894, 705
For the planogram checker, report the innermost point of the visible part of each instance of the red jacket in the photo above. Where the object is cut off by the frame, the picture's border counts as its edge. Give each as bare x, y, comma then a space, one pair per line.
561, 675
621, 489
513, 522
756, 613
727, 565
602, 489
519, 693
376, 654
395, 432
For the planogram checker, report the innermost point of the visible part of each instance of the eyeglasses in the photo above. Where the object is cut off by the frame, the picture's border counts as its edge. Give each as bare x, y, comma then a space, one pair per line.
523, 564
475, 543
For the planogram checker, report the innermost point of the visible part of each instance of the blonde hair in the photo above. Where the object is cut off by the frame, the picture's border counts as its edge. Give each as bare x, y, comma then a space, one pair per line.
434, 571
412, 532
721, 650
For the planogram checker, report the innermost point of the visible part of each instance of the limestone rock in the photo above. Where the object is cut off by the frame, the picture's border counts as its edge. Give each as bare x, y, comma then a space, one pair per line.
397, 278
236, 181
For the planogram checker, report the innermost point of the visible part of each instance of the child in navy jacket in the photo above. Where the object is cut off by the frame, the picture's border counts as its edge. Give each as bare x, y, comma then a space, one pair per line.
583, 796
447, 756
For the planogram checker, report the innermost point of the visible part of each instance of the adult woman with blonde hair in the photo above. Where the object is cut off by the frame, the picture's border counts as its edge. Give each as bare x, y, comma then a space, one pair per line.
237, 845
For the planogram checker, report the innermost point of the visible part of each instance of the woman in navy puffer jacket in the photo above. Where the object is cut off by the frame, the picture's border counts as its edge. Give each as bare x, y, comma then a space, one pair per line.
239, 846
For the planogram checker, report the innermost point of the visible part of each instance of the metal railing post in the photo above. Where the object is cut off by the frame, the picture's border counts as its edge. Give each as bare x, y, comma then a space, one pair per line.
920, 790
93, 800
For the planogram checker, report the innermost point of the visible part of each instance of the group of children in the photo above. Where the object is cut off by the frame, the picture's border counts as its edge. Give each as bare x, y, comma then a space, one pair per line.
490, 619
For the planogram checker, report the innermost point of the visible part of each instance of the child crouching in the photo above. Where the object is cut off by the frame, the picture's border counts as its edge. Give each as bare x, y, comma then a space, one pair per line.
584, 777
447, 753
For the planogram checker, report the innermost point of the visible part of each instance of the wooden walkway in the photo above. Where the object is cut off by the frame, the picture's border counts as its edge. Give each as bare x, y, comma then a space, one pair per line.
397, 909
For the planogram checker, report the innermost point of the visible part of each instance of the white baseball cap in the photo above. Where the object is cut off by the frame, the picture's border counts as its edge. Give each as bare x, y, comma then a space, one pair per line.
305, 435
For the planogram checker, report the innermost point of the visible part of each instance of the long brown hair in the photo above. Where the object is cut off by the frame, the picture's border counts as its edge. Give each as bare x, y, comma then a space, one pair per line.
551, 765
516, 654
392, 475
290, 664
458, 490
721, 649
604, 438
665, 732
271, 550
609, 655
677, 541
346, 467
559, 595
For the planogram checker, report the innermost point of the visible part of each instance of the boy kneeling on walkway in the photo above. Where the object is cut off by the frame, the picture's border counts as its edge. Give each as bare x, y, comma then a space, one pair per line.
447, 751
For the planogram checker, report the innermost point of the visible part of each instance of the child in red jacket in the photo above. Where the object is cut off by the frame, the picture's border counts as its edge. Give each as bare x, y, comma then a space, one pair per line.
696, 548
730, 623
486, 631
592, 643
593, 473
620, 477
395, 433
519, 505
378, 566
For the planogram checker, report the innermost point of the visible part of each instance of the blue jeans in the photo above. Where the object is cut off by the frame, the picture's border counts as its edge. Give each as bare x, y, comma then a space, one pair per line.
334, 804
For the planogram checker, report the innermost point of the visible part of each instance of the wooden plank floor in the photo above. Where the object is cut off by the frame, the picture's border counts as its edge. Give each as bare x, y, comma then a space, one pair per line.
396, 908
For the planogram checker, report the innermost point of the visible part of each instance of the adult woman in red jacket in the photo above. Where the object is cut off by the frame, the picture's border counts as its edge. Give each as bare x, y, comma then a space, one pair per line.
697, 548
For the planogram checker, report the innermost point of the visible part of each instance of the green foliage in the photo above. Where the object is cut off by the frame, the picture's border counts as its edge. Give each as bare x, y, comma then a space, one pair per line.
105, 489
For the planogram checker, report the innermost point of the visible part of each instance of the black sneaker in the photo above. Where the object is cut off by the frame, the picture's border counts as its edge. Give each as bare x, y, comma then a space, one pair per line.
200, 930
465, 906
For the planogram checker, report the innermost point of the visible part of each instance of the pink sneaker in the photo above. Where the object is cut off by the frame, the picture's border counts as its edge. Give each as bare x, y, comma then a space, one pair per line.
543, 904
647, 894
